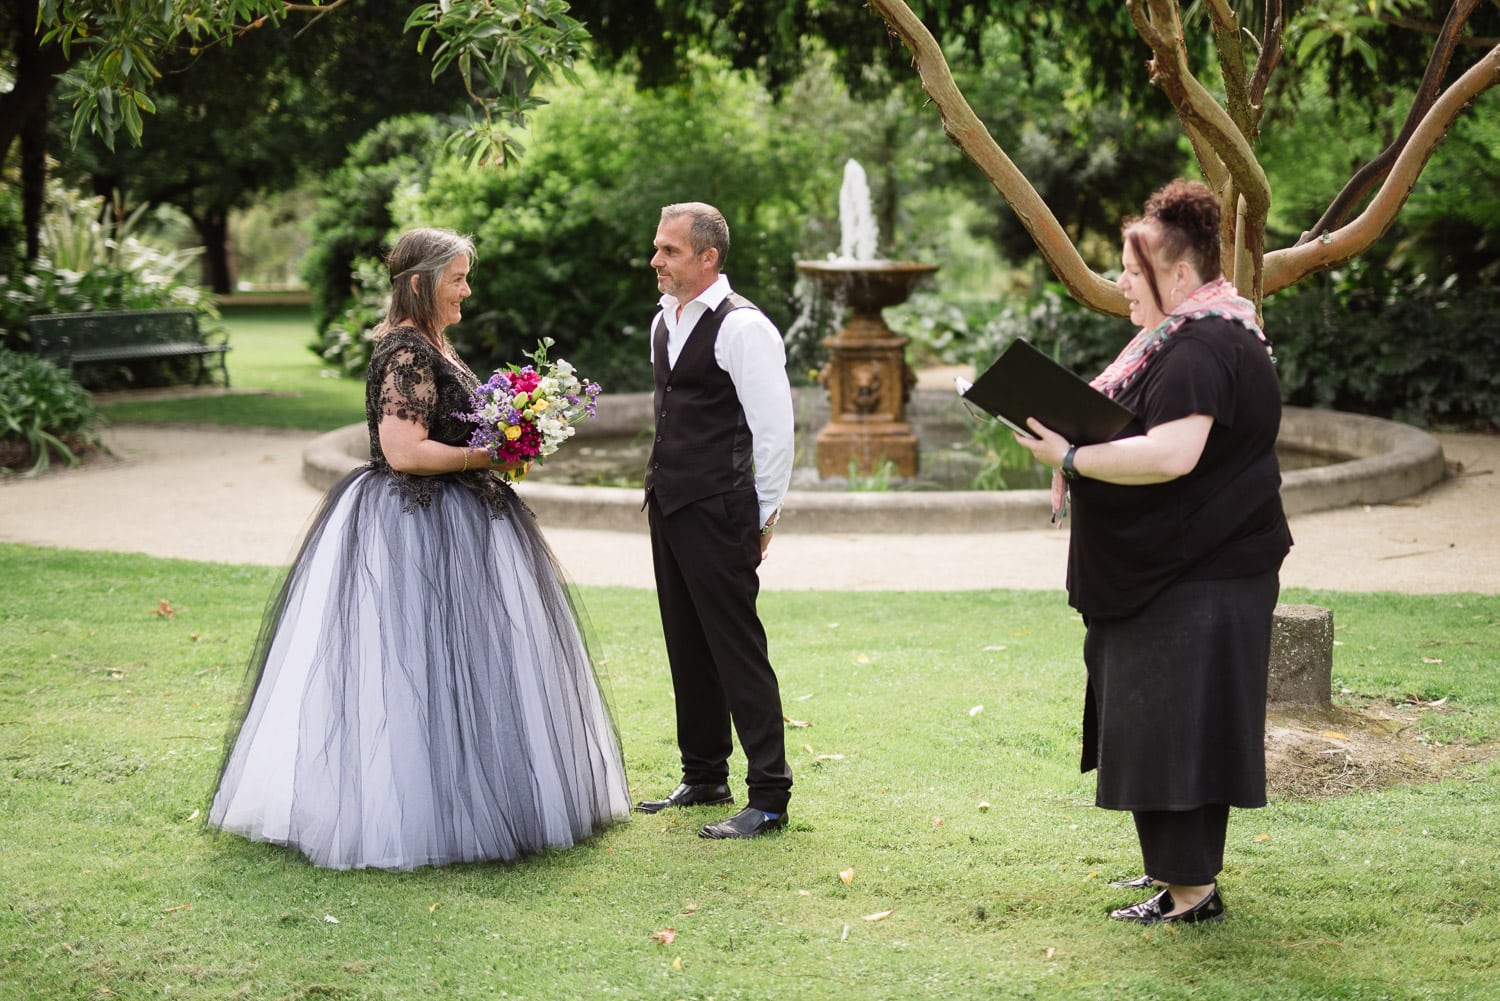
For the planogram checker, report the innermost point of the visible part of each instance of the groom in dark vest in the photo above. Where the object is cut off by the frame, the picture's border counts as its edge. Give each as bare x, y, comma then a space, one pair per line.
718, 472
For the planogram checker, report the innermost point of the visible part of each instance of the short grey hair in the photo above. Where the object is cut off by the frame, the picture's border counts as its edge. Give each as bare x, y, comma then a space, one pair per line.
708, 230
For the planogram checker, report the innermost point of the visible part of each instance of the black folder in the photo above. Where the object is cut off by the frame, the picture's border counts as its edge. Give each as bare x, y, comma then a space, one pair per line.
1024, 383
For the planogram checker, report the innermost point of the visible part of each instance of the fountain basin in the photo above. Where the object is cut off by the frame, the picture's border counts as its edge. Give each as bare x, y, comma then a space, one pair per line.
867, 286
1387, 461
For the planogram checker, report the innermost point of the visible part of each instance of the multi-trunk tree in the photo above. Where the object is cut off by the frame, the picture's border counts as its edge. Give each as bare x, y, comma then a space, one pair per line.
1223, 131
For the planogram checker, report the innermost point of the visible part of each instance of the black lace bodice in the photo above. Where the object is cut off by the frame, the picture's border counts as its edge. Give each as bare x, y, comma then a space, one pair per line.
411, 380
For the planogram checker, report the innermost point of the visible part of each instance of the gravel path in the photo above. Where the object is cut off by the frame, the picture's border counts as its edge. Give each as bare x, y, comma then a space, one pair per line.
238, 497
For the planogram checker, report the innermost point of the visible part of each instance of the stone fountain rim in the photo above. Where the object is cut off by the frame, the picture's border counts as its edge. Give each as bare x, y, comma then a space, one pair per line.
1390, 461
851, 265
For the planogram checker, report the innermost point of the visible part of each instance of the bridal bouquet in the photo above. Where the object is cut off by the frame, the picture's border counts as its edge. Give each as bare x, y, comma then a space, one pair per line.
522, 414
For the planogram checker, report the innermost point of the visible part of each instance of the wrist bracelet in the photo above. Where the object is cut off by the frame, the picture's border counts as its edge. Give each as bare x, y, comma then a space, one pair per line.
466, 462
1068, 471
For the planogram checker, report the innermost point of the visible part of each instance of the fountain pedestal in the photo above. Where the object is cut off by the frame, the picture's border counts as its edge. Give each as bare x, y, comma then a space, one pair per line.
866, 376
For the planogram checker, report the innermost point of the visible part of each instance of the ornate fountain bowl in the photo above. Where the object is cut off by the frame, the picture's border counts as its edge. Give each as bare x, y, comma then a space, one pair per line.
867, 286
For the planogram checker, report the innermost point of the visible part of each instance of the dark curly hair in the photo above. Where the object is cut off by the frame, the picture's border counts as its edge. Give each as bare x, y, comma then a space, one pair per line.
1185, 218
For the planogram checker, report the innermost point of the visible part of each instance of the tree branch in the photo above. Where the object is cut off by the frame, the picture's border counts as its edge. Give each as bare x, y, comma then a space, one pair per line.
1373, 172
1287, 267
1231, 47
970, 135
1271, 51
1157, 22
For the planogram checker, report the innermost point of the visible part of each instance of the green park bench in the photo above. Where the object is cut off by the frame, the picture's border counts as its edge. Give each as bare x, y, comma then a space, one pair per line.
72, 339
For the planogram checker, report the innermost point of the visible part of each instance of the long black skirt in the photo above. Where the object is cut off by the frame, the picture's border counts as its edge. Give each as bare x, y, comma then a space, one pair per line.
421, 693
1176, 709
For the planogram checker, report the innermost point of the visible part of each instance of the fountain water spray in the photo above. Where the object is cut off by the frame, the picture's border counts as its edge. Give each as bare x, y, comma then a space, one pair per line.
859, 233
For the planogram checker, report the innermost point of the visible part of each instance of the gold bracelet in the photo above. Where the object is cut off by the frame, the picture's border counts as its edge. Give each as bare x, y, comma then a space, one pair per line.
466, 462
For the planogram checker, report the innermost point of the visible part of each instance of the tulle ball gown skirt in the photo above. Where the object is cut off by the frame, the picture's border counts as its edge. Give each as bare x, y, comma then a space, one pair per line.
422, 695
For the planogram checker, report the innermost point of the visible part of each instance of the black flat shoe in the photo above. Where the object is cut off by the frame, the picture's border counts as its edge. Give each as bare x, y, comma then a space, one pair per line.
748, 823
1154, 911
1145, 882
686, 795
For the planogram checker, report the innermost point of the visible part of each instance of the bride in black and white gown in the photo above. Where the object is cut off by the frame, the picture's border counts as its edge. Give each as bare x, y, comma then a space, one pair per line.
421, 691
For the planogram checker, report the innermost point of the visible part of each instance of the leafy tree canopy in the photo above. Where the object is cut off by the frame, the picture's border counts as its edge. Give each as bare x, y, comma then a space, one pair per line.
115, 50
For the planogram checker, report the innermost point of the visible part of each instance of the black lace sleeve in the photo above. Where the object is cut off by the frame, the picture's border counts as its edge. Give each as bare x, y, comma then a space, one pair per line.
408, 379
408, 387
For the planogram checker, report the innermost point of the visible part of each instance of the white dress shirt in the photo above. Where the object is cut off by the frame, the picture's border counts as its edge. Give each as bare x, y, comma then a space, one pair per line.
750, 350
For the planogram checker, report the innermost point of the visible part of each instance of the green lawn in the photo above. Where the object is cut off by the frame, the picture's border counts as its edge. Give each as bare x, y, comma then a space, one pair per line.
269, 354
111, 725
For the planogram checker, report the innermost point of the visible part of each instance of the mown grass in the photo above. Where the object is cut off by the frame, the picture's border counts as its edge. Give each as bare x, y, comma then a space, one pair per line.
111, 725
269, 354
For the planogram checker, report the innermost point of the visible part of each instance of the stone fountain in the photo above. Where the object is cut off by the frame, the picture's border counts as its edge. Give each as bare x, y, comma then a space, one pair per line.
866, 376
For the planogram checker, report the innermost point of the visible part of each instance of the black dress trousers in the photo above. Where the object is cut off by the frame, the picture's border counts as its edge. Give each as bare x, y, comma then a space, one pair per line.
707, 559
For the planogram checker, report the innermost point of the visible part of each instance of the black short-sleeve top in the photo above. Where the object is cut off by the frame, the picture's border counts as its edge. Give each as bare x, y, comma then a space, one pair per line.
1224, 518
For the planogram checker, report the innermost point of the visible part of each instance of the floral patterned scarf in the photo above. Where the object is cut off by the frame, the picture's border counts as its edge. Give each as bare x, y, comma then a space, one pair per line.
1216, 298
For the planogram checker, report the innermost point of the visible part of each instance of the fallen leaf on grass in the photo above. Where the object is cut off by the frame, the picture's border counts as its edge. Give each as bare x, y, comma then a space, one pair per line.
1262, 837
795, 722
330, 919
179, 907
862, 659
688, 910
983, 806
1334, 735
676, 962
937, 821
1432, 660
976, 710
830, 757
847, 876
434, 907
1051, 951
994, 648
164, 609
664, 936
879, 915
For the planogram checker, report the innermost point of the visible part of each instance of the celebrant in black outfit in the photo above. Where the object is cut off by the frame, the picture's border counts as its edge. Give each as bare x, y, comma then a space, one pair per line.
1177, 540
421, 693
718, 471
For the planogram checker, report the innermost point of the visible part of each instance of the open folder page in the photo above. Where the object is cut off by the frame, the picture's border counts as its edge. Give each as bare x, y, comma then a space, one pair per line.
1024, 383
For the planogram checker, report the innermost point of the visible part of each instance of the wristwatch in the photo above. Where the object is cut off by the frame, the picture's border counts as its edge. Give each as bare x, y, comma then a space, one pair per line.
766, 528
1069, 473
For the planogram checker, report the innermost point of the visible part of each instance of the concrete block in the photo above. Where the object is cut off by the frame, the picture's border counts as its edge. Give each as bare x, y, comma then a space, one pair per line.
1301, 656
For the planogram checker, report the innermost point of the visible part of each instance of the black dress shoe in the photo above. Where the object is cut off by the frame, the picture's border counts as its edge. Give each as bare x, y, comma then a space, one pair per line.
1154, 911
1145, 882
748, 823
686, 795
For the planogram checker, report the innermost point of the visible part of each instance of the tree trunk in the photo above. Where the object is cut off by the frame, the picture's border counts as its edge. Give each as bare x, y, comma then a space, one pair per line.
23, 116
218, 268
34, 177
